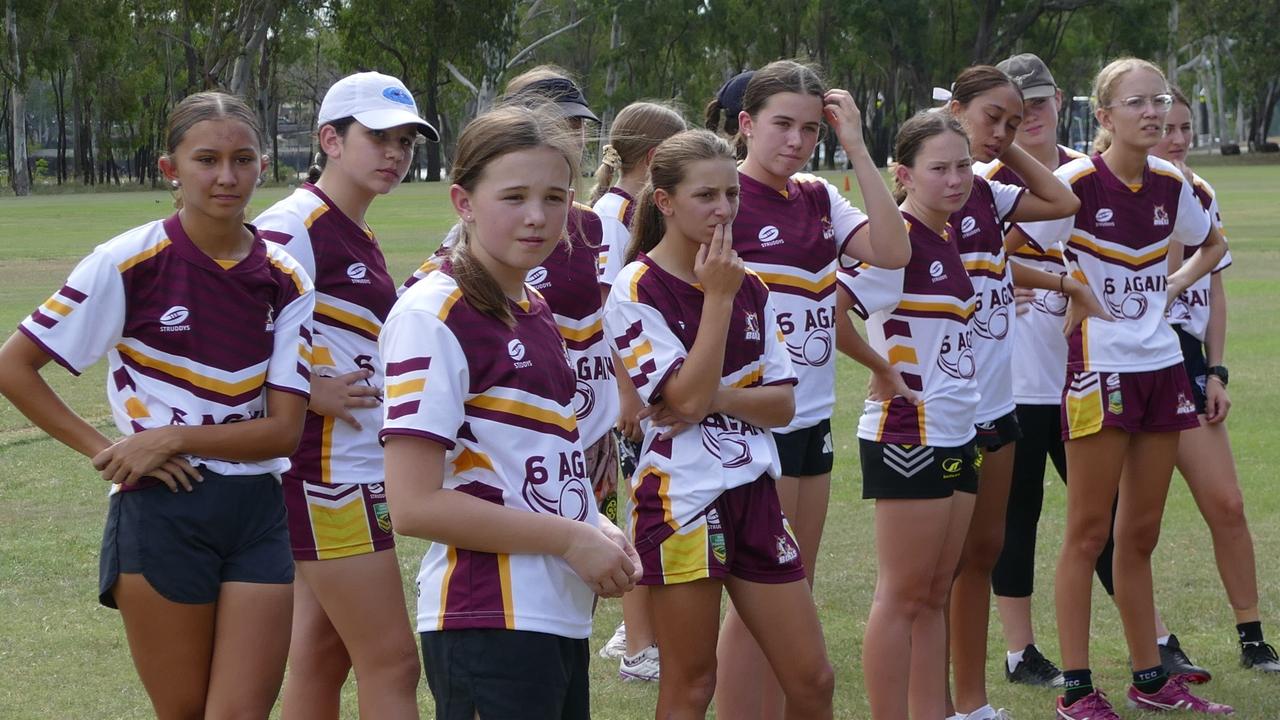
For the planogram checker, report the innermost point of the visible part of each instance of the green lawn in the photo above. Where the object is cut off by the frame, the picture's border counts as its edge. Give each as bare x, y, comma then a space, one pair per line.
63, 656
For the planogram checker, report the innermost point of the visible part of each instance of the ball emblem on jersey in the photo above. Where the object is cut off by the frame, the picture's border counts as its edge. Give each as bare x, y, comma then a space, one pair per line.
1104, 215
515, 349
768, 234
536, 276
573, 500
1132, 307
935, 269
174, 316
357, 271
817, 347
968, 225
398, 95
584, 400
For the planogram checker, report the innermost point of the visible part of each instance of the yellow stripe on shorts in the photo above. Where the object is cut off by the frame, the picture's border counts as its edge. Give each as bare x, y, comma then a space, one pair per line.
684, 554
341, 527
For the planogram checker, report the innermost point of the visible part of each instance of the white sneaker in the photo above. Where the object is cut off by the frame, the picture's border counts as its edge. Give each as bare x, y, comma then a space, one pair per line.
642, 666
617, 645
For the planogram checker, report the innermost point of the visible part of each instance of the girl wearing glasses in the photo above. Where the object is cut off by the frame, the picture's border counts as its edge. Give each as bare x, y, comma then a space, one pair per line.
1127, 396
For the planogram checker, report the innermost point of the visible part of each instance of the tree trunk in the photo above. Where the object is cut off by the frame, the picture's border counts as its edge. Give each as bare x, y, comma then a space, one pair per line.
432, 113
21, 177
59, 81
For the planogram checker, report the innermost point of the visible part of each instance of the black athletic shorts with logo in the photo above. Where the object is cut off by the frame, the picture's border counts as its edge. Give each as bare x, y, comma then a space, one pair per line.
229, 528
892, 471
997, 433
1197, 367
507, 674
807, 451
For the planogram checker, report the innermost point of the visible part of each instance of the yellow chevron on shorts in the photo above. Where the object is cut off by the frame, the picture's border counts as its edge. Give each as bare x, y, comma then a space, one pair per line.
341, 531
684, 554
1084, 412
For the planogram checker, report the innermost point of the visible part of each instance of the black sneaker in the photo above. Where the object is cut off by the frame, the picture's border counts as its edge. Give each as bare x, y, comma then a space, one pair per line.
1034, 669
1259, 656
1176, 662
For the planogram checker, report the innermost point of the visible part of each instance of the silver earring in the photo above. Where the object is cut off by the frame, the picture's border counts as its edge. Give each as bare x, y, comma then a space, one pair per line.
175, 184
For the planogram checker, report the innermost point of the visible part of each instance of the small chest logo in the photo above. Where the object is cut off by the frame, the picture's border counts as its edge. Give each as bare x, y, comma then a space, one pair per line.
1161, 217
828, 231
172, 320
357, 272
271, 320
969, 225
537, 277
768, 236
753, 327
1105, 218
937, 271
515, 349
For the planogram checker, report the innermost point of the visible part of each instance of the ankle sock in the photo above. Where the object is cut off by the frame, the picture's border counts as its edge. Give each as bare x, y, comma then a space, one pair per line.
1013, 658
986, 712
1163, 639
1076, 684
1150, 680
1250, 632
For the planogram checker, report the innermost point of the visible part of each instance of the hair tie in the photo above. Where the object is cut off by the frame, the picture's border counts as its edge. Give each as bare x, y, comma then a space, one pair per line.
611, 158
943, 95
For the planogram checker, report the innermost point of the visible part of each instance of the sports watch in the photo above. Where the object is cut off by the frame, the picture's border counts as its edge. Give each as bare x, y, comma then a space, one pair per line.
1220, 372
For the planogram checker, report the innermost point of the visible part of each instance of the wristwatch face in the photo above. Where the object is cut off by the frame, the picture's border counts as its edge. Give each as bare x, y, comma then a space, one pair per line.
1220, 371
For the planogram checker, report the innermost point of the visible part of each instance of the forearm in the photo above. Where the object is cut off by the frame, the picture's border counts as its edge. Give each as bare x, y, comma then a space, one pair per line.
765, 406
421, 507
1049, 199
1201, 263
1029, 277
690, 391
1215, 335
850, 342
272, 436
887, 235
22, 384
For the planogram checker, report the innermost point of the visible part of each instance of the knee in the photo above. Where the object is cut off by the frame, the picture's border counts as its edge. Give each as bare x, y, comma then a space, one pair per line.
1089, 539
908, 601
694, 689
815, 689
319, 657
1138, 539
982, 550
1227, 514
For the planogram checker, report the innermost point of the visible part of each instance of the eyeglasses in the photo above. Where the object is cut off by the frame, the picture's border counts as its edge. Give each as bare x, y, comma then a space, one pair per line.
1137, 103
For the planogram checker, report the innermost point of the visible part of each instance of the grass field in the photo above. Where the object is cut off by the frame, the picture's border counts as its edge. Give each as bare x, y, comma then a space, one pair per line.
64, 656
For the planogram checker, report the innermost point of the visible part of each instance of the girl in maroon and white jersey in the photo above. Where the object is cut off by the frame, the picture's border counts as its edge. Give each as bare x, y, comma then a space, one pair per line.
206, 329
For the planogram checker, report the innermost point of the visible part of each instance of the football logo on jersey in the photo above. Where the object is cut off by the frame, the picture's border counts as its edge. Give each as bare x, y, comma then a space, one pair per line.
537, 277
271, 320
753, 327
937, 271
1104, 218
787, 552
969, 225
1185, 406
1161, 217
828, 231
173, 318
357, 272
768, 236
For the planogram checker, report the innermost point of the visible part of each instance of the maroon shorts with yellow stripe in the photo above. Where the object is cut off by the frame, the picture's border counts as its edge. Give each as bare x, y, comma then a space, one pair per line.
1147, 401
743, 534
336, 521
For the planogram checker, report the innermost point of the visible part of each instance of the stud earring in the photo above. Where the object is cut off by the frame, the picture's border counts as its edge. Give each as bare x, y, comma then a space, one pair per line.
175, 184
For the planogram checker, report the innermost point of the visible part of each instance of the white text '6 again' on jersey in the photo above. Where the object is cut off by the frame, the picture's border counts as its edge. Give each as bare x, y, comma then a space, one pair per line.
568, 281
354, 293
1118, 243
792, 240
500, 401
188, 341
919, 318
653, 318
979, 229
1191, 308
1038, 344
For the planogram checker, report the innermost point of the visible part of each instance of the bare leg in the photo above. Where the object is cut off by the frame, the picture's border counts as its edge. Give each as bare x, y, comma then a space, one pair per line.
175, 674
785, 621
363, 596
686, 617
1094, 463
250, 647
971, 593
318, 661
745, 686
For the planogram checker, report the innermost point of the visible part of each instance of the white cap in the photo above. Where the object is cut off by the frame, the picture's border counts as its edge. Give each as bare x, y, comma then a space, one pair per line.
377, 101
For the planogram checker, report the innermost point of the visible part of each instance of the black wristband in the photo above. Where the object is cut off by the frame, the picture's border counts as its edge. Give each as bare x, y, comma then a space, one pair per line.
1220, 372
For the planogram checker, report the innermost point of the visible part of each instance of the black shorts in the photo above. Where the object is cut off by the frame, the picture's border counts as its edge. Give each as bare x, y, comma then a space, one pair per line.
229, 528
892, 471
807, 451
997, 433
507, 674
1197, 367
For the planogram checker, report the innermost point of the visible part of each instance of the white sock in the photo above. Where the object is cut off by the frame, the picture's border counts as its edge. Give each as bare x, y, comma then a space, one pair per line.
986, 712
957, 716
1162, 640
1013, 658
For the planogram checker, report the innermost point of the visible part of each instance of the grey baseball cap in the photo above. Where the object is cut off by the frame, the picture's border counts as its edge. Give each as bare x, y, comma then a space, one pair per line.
1031, 75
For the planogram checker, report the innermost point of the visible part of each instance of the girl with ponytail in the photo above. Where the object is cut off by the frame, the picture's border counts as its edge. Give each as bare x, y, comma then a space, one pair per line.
699, 338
